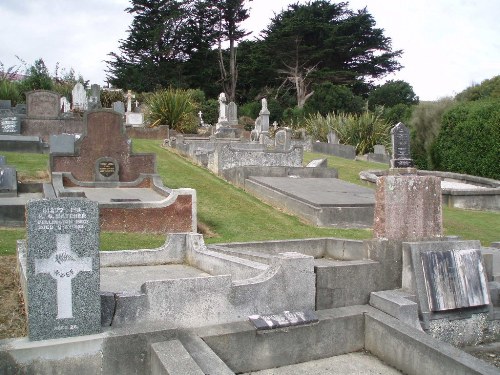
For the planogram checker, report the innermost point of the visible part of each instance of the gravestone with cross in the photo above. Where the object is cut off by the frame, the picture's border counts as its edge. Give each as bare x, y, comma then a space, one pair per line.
63, 268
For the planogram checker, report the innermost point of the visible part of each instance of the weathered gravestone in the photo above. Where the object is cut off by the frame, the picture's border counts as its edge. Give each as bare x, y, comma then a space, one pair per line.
379, 149
10, 124
119, 107
232, 114
65, 105
282, 139
94, 100
332, 137
63, 268
401, 157
79, 97
8, 179
447, 277
43, 104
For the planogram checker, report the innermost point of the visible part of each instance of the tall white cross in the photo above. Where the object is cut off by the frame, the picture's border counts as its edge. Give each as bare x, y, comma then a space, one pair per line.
63, 266
129, 97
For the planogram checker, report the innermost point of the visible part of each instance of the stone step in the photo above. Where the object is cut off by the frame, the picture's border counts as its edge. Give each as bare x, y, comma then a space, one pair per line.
171, 358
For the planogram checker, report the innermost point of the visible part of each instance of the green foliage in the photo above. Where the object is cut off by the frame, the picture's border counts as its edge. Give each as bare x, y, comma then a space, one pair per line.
398, 113
489, 88
361, 131
328, 98
294, 117
108, 97
247, 122
391, 94
172, 107
10, 91
469, 139
37, 77
250, 109
424, 125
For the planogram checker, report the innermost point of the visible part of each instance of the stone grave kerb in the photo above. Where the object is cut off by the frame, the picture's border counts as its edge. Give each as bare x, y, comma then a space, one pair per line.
103, 136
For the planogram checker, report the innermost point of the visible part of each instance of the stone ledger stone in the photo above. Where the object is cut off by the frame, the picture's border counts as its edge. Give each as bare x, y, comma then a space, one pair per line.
63, 268
408, 208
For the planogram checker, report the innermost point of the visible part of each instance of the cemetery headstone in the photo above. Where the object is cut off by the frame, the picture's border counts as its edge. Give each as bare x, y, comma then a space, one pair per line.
94, 100
129, 96
10, 124
264, 117
379, 149
79, 97
332, 137
232, 114
283, 320
282, 139
119, 107
134, 119
65, 104
20, 109
63, 268
222, 121
43, 104
8, 179
401, 157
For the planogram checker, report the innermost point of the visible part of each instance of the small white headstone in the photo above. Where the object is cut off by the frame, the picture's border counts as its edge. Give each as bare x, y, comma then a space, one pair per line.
79, 96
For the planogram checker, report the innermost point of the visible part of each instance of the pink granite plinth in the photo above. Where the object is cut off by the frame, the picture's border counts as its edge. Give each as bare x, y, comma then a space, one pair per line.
408, 208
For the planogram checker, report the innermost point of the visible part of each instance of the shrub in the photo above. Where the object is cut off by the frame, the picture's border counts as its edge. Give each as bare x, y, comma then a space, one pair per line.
10, 91
108, 97
329, 98
361, 131
469, 139
424, 127
172, 107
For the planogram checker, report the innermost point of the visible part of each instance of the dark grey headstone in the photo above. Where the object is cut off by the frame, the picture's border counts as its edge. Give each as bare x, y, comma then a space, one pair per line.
5, 104
107, 169
10, 124
454, 279
94, 101
63, 268
401, 156
8, 180
62, 143
282, 320
119, 107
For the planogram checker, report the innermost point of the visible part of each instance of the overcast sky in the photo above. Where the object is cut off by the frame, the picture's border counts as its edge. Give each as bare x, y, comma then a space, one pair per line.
447, 44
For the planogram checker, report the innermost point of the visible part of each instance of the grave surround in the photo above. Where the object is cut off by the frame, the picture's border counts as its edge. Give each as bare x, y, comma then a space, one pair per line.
63, 268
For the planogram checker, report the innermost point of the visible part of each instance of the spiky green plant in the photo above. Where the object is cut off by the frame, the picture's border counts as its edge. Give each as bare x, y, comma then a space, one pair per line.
361, 131
172, 107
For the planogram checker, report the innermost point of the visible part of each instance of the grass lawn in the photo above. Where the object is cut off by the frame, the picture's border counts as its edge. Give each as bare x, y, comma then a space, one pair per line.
29, 166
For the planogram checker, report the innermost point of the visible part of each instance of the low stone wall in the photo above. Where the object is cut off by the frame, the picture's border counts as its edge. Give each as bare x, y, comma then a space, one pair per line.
228, 156
159, 132
44, 128
342, 151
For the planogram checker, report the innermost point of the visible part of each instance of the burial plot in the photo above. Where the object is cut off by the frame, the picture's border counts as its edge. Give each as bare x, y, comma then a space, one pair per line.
104, 137
63, 268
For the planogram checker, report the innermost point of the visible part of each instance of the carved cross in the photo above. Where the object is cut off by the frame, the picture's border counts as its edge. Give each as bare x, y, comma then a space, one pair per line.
63, 266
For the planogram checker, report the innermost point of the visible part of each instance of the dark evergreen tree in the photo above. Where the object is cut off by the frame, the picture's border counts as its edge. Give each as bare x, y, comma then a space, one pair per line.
392, 93
326, 42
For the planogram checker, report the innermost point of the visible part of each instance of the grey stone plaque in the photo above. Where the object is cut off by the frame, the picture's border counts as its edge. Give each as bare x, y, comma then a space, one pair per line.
62, 143
232, 114
63, 268
282, 140
401, 156
454, 279
10, 125
107, 169
282, 320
